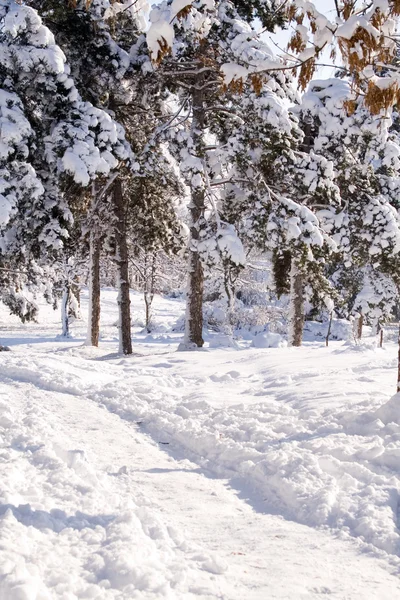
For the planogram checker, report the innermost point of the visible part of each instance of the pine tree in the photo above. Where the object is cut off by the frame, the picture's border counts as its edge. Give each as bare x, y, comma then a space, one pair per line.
366, 162
53, 138
104, 43
209, 43
366, 226
286, 182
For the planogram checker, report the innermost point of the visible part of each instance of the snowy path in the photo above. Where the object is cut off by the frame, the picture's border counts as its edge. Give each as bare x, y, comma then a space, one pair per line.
94, 463
176, 499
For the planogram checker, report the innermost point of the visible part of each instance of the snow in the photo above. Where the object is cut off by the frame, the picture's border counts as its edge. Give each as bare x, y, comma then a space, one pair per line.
269, 340
237, 472
15, 128
178, 5
5, 209
348, 29
233, 71
230, 245
160, 30
390, 411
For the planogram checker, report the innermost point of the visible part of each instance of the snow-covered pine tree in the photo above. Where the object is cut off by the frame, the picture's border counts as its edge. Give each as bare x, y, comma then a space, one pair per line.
68, 139
376, 298
203, 51
83, 30
366, 227
103, 41
18, 184
186, 73
275, 185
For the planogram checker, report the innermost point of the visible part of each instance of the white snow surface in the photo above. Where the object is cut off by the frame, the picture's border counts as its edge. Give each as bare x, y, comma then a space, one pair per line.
236, 472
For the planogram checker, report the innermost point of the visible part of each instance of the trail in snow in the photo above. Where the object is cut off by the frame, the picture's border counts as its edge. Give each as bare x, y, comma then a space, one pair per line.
92, 507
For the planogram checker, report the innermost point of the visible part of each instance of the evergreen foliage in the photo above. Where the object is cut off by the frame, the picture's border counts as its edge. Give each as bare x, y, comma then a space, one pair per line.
118, 139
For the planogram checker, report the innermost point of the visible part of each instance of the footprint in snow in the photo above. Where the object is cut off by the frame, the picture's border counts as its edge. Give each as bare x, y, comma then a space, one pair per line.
214, 564
175, 360
306, 374
321, 590
280, 382
225, 376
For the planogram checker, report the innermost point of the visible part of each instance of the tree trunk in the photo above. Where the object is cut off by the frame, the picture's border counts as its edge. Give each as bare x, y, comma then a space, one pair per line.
121, 260
379, 333
329, 330
149, 289
64, 310
398, 363
195, 285
147, 303
296, 308
93, 331
360, 326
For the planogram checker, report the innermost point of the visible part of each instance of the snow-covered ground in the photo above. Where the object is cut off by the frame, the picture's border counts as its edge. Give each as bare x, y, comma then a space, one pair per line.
223, 474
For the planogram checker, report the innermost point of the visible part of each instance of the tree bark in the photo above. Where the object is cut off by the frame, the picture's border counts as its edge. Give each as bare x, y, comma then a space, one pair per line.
94, 290
296, 314
360, 326
329, 330
64, 310
195, 286
149, 289
147, 303
398, 363
121, 260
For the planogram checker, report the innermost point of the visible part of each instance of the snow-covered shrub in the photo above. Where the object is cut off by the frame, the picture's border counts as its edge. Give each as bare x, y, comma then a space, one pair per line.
243, 319
268, 339
222, 340
341, 329
215, 316
258, 318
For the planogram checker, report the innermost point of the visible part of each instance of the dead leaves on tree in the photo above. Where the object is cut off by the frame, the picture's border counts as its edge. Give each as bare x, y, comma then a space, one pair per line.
379, 99
365, 53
